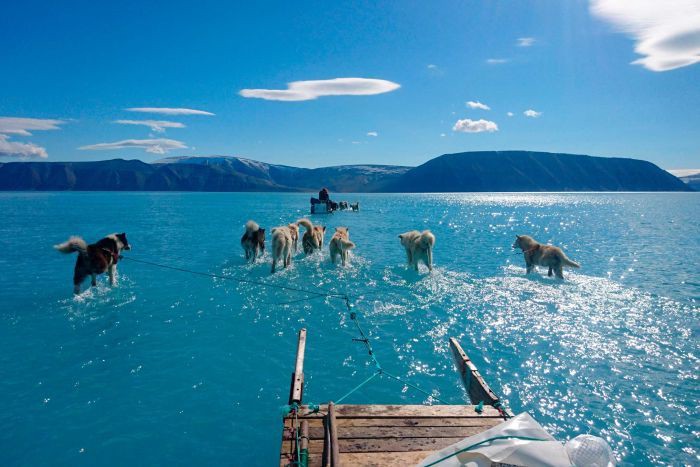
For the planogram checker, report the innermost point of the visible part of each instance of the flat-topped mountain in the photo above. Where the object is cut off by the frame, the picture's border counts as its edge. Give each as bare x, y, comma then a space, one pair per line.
468, 171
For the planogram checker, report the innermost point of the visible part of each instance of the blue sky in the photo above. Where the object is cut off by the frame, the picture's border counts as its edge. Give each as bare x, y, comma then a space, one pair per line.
76, 67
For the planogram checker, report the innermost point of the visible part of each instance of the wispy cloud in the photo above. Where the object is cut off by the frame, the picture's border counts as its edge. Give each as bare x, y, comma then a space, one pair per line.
475, 126
525, 41
158, 126
372, 133
24, 126
666, 33
153, 146
497, 61
532, 113
477, 105
510, 114
168, 111
432, 66
309, 90
23, 150
19, 126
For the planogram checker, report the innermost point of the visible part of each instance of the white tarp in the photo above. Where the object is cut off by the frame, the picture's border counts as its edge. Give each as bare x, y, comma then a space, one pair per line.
509, 447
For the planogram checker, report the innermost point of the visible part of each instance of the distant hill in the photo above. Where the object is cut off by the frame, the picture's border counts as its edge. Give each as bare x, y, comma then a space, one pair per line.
534, 171
469, 171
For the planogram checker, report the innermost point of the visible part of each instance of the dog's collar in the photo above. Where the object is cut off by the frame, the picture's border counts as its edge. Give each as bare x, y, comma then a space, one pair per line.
532, 250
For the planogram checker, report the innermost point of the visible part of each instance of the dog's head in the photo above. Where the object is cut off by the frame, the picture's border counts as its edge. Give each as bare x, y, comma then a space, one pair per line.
523, 242
124, 242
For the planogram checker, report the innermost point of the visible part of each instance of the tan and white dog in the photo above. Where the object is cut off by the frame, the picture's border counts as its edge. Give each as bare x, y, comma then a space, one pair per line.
419, 247
294, 232
313, 236
340, 245
282, 245
537, 254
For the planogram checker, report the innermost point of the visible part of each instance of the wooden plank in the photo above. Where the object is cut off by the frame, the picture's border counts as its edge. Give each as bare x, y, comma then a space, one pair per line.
296, 390
384, 445
476, 386
485, 422
372, 432
382, 459
304, 443
333, 428
407, 411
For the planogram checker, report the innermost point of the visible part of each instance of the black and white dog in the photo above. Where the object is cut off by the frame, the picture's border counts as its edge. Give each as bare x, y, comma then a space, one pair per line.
96, 258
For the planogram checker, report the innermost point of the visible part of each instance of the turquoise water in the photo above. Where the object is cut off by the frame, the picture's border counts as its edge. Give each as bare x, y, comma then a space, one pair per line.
170, 368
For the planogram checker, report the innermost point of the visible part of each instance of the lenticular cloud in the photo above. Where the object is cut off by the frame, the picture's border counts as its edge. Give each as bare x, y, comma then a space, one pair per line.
309, 90
153, 146
667, 33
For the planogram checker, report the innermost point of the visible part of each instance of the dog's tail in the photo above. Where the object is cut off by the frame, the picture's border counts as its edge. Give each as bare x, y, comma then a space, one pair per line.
306, 224
567, 262
72, 245
347, 244
427, 239
251, 226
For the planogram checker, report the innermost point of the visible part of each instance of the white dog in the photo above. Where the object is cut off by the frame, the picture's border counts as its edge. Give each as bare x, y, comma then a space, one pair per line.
419, 247
340, 245
282, 246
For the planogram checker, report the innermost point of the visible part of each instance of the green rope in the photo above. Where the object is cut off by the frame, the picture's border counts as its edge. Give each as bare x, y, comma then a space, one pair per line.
429, 394
496, 438
375, 374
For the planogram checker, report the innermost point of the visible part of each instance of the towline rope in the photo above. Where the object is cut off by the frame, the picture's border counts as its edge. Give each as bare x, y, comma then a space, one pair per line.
380, 371
237, 279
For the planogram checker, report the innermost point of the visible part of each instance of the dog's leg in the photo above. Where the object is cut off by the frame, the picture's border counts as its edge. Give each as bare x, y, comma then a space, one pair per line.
559, 271
549, 273
529, 267
112, 270
430, 259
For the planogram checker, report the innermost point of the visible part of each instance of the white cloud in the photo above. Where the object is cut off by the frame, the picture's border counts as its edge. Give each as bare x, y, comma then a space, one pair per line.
497, 61
372, 133
525, 41
432, 66
355, 142
477, 105
532, 113
24, 150
666, 32
153, 146
23, 126
308, 90
475, 126
158, 126
510, 114
168, 111
443, 135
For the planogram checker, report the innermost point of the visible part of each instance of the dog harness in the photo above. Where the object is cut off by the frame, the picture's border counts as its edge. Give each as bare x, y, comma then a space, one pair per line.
113, 254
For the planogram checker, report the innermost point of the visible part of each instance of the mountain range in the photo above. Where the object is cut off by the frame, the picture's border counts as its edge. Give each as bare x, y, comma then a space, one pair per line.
462, 172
